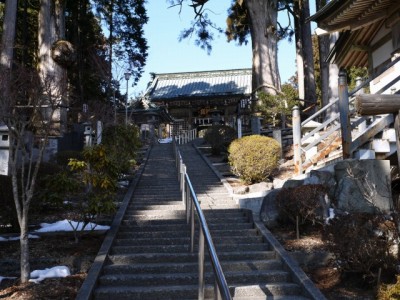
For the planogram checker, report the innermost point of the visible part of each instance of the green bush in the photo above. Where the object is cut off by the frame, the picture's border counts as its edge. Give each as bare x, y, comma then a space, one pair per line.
121, 144
219, 137
253, 158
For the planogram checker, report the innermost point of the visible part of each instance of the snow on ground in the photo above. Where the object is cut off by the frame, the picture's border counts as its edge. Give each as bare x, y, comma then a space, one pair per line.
165, 141
2, 278
66, 225
16, 238
58, 271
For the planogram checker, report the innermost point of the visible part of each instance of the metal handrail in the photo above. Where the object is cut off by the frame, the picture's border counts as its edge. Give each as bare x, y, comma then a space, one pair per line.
192, 205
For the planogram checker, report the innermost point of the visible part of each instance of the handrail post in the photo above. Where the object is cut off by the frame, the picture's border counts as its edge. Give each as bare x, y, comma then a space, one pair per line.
191, 227
183, 185
182, 181
201, 264
297, 140
344, 114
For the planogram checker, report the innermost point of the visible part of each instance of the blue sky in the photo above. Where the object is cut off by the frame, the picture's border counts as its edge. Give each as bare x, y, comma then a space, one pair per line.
168, 55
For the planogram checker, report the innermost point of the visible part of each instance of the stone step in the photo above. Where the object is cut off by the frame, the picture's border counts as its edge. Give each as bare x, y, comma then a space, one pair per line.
191, 292
227, 266
185, 248
137, 202
186, 240
174, 214
182, 227
157, 220
153, 280
128, 233
187, 257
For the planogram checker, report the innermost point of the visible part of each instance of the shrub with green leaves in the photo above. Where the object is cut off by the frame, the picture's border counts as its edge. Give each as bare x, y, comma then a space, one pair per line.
219, 137
253, 158
99, 174
121, 143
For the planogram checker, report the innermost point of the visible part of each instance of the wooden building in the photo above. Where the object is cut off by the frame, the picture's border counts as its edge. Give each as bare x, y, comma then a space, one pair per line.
369, 37
200, 99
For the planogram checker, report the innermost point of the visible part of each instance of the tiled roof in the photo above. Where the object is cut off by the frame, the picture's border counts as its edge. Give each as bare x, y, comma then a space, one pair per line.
339, 15
200, 84
358, 21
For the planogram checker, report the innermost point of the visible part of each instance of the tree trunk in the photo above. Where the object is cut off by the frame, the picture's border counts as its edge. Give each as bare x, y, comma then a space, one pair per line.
304, 54
54, 77
8, 37
309, 84
263, 23
324, 47
24, 243
299, 53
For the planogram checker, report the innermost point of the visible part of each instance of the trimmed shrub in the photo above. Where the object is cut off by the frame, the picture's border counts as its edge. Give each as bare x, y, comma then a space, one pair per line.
253, 158
219, 137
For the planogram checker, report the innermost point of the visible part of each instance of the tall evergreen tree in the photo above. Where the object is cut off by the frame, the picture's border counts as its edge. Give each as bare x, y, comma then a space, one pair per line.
124, 20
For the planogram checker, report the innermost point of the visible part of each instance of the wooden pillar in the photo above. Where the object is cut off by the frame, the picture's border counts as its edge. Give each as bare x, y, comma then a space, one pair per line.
297, 140
344, 114
397, 129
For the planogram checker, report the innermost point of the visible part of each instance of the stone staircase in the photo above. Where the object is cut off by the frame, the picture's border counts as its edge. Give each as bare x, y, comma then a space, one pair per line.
149, 256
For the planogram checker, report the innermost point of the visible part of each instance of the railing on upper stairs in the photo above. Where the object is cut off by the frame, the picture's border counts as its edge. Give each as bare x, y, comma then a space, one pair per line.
192, 206
186, 137
335, 127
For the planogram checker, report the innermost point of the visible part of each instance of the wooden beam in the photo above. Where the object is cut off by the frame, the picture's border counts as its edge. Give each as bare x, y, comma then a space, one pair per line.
369, 105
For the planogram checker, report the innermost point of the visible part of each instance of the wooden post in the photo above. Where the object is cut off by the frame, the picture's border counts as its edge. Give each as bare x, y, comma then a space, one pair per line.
344, 114
397, 129
297, 140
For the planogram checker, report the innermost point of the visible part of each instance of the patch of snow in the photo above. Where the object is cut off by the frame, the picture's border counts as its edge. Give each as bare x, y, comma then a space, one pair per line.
58, 271
2, 278
66, 225
331, 215
165, 141
16, 238
123, 183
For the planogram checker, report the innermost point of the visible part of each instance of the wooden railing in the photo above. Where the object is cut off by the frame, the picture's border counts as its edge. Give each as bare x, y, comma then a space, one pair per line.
335, 124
